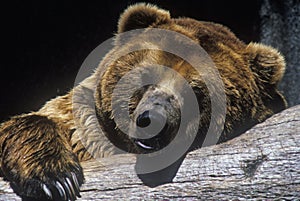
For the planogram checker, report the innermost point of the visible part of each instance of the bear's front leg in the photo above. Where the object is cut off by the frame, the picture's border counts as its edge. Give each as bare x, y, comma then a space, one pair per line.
37, 159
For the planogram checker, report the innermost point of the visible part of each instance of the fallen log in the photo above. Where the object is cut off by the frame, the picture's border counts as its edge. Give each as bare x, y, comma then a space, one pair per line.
263, 163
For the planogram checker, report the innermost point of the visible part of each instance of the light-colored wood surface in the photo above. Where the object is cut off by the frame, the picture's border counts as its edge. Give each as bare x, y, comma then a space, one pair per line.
263, 163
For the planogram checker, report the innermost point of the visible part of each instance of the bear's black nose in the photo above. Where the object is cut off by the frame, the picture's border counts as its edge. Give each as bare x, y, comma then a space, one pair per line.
143, 120
156, 119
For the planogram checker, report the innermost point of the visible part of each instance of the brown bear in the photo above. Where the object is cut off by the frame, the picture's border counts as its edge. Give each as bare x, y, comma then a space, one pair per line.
40, 152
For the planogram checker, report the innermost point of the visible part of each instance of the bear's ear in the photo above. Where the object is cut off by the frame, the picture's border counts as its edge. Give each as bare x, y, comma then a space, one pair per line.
266, 62
141, 15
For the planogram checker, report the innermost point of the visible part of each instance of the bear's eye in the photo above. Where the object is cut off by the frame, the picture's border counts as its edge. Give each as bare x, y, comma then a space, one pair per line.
136, 97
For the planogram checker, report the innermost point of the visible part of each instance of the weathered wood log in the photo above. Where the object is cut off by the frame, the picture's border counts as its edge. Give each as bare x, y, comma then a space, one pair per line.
263, 163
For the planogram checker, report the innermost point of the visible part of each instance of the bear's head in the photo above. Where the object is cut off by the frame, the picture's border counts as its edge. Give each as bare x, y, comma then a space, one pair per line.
249, 75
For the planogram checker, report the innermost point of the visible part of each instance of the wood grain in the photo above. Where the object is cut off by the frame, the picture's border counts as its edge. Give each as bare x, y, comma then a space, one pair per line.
263, 163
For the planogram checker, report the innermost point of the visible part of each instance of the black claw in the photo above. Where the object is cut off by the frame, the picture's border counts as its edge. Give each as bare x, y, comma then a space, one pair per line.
71, 186
69, 189
61, 190
75, 181
47, 192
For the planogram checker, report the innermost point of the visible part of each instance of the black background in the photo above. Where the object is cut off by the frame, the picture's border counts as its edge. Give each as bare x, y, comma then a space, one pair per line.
46, 42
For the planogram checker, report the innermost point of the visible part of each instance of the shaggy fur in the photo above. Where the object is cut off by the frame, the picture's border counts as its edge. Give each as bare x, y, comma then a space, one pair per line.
40, 151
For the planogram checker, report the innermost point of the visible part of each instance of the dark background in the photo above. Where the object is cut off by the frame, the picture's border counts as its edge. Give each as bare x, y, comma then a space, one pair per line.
47, 41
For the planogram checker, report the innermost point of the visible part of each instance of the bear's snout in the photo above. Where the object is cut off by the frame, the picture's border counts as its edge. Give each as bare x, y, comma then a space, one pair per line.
156, 121
149, 139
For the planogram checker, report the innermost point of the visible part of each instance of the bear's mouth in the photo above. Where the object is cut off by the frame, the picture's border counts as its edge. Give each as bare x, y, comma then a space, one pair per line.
161, 140
143, 145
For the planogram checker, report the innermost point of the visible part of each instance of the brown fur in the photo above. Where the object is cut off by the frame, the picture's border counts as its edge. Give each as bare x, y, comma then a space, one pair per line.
44, 147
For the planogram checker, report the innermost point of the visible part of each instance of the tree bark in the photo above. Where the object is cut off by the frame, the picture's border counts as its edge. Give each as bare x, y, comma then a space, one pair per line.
263, 163
280, 28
